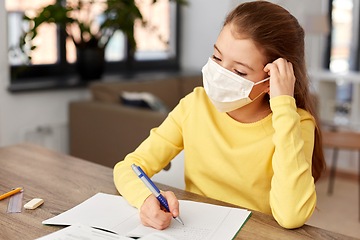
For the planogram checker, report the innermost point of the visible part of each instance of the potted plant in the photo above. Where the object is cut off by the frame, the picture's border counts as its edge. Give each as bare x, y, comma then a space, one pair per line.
90, 32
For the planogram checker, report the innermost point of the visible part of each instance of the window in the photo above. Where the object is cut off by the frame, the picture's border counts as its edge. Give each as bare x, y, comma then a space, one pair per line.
341, 36
46, 52
55, 54
343, 50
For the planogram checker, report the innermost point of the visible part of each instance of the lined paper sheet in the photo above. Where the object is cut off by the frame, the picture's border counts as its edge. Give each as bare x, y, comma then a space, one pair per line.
201, 221
113, 213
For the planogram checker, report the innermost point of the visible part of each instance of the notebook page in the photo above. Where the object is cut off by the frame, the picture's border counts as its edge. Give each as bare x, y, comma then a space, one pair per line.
201, 221
104, 211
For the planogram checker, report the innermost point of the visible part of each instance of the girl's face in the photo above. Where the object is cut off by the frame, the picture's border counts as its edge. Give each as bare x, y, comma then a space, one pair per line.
241, 56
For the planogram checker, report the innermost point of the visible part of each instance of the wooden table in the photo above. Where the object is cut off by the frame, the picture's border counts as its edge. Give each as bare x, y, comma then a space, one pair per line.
64, 182
338, 140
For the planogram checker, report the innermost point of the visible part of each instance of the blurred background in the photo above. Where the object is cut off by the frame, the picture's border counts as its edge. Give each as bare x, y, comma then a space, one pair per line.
177, 40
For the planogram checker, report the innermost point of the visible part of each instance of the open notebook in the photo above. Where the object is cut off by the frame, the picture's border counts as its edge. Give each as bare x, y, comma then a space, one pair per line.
115, 214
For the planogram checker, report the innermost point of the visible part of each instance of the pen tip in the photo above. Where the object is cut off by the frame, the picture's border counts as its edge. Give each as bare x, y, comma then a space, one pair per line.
179, 220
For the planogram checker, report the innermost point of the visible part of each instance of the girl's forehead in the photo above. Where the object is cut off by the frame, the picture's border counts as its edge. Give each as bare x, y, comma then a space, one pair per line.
239, 47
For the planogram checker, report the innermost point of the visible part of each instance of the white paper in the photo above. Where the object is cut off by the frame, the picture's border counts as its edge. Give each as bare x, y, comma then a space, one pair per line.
104, 211
114, 213
82, 232
157, 236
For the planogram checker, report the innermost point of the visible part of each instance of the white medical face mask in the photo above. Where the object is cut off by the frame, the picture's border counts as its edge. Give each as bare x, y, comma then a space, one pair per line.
226, 90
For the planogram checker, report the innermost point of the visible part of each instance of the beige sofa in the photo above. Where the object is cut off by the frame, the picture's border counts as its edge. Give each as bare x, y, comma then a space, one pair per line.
104, 131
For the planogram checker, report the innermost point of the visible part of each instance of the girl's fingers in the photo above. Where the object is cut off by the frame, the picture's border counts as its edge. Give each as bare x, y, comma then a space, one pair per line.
151, 222
282, 77
172, 202
152, 215
291, 70
271, 69
282, 65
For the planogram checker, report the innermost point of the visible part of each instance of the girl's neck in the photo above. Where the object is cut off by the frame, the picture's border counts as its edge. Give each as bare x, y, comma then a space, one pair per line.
253, 112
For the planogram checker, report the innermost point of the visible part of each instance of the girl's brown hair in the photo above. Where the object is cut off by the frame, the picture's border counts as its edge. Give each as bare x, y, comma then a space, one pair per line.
280, 35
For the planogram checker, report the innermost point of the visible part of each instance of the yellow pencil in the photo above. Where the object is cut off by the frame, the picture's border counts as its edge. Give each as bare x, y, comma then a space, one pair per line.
10, 193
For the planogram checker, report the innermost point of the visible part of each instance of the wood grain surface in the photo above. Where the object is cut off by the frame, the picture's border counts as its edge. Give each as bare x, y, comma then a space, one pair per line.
341, 139
64, 182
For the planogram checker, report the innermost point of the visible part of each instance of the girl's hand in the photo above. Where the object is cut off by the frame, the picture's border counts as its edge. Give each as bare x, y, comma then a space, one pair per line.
153, 214
282, 78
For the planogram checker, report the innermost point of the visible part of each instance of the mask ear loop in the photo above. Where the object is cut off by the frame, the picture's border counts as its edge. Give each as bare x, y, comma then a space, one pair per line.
256, 97
268, 78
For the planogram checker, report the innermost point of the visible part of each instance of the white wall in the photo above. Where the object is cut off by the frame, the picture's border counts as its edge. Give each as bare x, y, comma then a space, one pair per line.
203, 19
202, 22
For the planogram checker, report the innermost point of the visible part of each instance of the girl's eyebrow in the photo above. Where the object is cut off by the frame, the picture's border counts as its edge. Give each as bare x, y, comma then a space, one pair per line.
217, 49
243, 64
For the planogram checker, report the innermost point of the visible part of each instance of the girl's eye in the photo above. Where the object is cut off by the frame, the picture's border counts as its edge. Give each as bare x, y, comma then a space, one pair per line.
240, 73
216, 58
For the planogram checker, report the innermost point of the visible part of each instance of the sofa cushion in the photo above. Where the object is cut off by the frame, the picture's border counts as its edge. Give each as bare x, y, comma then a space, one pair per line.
143, 100
168, 91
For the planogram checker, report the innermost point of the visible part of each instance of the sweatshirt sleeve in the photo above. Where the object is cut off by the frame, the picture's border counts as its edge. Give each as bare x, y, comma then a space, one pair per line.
292, 194
162, 145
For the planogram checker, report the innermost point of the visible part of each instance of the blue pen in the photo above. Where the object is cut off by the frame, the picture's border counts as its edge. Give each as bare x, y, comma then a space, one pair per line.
147, 181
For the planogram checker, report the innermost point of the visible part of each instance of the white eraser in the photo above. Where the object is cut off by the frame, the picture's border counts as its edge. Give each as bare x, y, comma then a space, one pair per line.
34, 203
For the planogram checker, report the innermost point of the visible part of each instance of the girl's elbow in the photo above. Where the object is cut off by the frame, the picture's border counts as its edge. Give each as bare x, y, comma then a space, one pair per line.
291, 223
293, 219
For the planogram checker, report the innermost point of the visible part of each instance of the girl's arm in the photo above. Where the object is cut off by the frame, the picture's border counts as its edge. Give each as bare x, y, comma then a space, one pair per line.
163, 144
292, 195
152, 155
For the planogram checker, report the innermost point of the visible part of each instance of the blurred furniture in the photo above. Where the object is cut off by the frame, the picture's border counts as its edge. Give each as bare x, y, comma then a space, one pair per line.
341, 140
325, 85
104, 131
64, 182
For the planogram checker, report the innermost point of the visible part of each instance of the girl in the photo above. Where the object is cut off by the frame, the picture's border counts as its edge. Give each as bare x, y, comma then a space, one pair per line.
251, 135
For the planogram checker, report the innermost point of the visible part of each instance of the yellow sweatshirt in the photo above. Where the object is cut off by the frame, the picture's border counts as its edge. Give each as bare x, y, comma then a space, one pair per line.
264, 166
